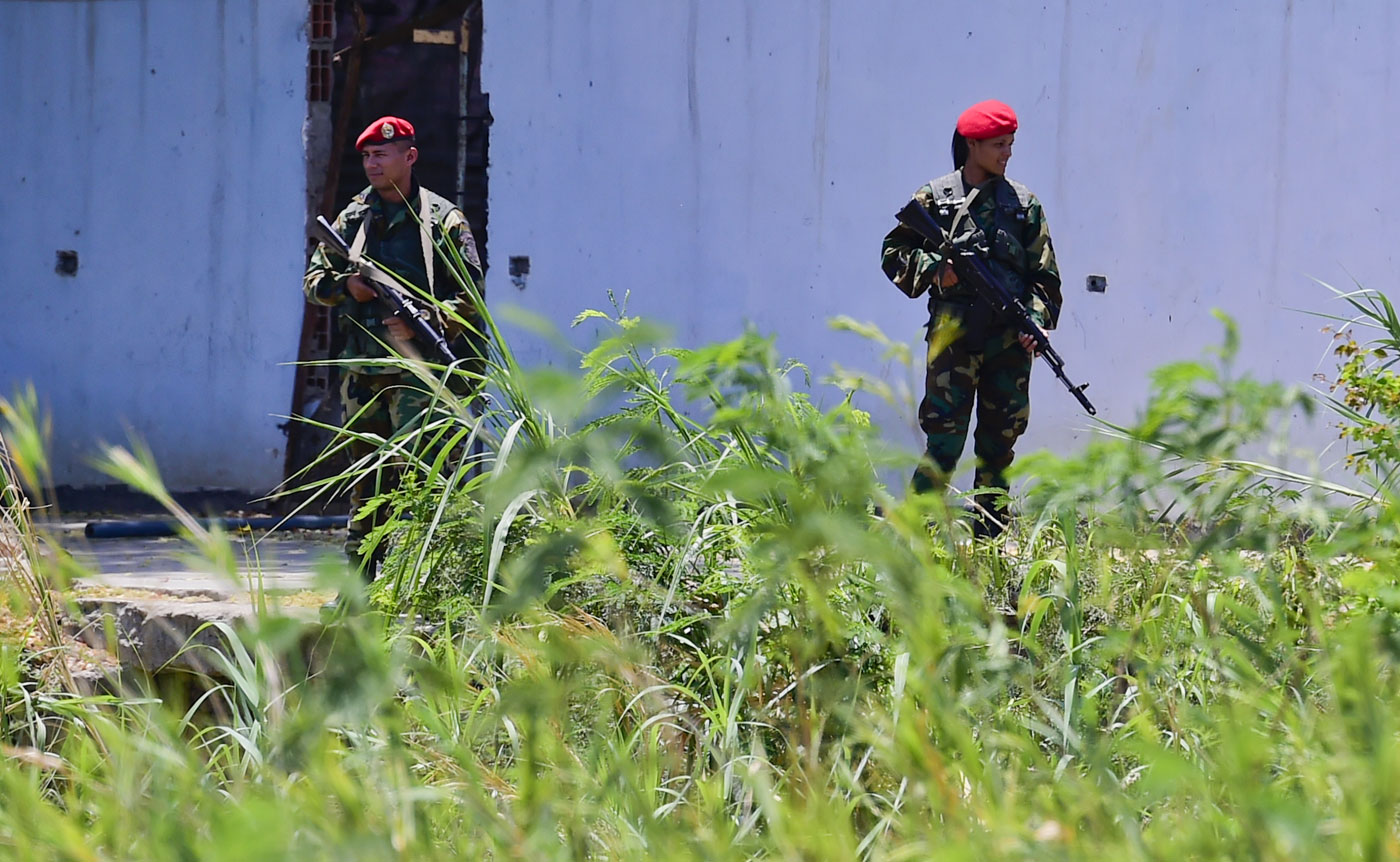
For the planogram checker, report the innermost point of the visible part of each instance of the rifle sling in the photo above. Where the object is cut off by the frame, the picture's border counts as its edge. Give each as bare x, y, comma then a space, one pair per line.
378, 276
949, 246
961, 213
425, 227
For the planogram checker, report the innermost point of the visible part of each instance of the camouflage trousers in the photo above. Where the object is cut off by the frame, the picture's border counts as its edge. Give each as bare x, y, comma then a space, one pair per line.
991, 368
380, 404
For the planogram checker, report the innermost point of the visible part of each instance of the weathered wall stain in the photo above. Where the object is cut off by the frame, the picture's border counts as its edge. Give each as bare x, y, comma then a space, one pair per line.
1270, 286
1154, 134
822, 107
1062, 100
163, 145
692, 60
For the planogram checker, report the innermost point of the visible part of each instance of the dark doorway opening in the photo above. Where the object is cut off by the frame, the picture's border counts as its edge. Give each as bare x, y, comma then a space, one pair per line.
417, 59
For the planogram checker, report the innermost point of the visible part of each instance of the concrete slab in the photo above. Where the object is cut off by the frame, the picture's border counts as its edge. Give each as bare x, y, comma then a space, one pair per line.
153, 604
155, 634
280, 562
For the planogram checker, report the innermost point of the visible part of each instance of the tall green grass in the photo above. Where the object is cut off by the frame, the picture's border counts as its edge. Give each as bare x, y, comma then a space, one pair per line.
681, 616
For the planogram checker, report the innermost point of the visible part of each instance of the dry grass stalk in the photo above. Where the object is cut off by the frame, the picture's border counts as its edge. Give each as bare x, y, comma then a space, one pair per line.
22, 582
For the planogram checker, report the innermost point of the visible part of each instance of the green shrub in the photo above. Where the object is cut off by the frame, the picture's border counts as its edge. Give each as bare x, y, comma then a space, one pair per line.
681, 615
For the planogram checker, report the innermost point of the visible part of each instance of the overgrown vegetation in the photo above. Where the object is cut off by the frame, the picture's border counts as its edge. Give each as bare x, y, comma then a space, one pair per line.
682, 616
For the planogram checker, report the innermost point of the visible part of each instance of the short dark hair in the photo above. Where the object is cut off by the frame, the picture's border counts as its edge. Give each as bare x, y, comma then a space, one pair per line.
407, 142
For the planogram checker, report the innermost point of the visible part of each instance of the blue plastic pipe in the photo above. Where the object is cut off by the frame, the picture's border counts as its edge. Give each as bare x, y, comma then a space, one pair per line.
148, 527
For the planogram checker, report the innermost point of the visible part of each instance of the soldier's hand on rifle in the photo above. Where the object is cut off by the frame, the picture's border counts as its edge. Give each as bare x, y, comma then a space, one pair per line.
358, 288
946, 276
1028, 342
398, 329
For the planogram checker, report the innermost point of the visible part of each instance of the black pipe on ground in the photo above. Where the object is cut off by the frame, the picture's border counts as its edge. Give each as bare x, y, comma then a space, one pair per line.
150, 527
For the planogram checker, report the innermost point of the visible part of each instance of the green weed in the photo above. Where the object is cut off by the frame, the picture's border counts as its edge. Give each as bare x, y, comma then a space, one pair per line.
678, 613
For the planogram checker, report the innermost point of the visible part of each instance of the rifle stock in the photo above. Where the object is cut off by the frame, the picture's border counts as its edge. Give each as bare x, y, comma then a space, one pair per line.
973, 270
396, 302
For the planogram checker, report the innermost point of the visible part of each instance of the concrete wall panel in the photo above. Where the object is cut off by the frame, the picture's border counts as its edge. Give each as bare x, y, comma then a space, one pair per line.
734, 161
161, 140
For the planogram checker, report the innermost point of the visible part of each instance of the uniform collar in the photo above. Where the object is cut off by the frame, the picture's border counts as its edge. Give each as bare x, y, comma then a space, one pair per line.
987, 185
378, 205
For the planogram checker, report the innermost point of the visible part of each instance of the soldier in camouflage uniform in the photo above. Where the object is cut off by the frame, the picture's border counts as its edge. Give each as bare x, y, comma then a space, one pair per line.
383, 222
973, 356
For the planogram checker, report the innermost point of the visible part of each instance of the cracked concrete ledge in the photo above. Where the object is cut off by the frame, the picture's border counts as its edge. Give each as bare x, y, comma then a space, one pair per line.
155, 633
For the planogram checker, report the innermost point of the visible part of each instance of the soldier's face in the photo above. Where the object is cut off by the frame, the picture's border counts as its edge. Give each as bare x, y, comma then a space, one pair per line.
389, 166
992, 154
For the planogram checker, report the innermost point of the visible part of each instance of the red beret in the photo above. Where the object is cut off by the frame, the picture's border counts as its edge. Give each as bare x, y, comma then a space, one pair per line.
383, 130
989, 119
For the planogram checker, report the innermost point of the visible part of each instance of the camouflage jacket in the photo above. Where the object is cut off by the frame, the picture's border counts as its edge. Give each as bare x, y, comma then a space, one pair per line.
1014, 235
392, 239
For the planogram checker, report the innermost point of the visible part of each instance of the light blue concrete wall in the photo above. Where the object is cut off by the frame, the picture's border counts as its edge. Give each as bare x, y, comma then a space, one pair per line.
161, 140
734, 160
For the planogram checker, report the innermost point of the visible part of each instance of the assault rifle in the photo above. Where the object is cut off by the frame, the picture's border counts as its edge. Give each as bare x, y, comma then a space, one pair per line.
973, 270
397, 302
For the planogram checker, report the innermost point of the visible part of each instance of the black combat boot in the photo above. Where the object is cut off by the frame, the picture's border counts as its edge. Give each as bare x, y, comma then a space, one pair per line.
991, 513
367, 564
988, 522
